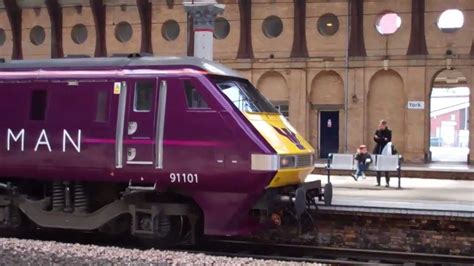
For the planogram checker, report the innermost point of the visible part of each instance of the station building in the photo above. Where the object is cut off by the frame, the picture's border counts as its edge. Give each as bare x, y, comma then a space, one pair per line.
335, 68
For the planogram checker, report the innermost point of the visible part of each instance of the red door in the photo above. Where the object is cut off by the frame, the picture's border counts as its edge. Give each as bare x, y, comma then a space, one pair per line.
140, 123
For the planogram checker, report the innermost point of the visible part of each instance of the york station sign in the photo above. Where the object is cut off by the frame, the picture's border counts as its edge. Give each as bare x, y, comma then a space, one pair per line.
416, 105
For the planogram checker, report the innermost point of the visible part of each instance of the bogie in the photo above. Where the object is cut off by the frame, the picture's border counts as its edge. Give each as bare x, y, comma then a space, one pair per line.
67, 205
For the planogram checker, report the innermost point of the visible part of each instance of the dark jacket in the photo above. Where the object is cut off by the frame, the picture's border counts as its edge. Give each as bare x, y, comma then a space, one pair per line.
361, 157
385, 136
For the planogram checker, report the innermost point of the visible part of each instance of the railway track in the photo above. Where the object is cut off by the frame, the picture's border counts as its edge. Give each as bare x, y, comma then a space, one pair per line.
306, 253
275, 251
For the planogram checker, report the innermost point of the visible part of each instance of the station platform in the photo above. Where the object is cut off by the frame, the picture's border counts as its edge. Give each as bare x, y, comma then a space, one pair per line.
418, 196
438, 170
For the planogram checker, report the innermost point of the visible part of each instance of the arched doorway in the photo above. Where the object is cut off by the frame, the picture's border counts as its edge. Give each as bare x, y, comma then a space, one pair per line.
327, 113
273, 86
387, 100
449, 117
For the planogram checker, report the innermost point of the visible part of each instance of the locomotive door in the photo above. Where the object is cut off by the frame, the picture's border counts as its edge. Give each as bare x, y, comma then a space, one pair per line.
139, 135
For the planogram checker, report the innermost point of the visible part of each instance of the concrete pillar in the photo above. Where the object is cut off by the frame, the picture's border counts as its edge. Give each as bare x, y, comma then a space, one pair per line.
203, 14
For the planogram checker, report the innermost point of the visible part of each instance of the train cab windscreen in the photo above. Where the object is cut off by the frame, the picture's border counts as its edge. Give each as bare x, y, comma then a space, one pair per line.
244, 96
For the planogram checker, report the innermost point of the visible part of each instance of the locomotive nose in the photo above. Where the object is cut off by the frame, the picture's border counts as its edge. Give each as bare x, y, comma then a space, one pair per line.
294, 159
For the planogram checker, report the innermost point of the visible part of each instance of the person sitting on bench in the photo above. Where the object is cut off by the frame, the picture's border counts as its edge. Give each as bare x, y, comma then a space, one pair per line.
363, 160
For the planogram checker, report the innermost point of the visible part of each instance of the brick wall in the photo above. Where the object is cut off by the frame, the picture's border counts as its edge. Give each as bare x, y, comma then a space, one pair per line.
422, 234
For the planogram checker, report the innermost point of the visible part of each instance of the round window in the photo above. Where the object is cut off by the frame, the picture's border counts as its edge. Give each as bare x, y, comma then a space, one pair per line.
123, 31
328, 24
37, 35
79, 33
388, 23
170, 30
272, 27
450, 20
221, 28
3, 37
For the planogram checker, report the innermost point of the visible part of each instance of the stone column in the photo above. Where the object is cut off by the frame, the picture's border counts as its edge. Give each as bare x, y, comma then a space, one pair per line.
203, 14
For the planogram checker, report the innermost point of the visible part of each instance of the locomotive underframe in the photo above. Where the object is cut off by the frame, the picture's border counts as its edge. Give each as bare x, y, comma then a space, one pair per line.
296, 199
144, 217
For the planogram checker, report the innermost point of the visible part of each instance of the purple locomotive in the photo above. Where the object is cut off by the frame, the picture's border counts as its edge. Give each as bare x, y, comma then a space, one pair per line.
159, 148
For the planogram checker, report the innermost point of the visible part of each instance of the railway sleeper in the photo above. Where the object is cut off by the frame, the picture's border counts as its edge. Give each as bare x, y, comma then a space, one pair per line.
156, 222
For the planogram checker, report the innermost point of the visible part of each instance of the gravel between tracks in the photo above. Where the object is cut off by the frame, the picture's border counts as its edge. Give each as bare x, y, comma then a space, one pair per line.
36, 252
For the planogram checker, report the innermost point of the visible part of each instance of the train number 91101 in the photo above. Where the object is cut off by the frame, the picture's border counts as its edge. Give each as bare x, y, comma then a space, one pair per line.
184, 178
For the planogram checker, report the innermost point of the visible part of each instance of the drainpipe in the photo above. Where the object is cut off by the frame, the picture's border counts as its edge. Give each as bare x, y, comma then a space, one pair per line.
346, 83
203, 12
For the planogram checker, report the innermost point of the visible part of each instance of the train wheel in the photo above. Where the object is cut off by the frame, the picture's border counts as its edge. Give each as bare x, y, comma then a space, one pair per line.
167, 231
17, 226
307, 222
290, 223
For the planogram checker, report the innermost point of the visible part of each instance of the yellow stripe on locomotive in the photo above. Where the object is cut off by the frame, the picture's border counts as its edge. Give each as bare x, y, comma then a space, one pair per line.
294, 153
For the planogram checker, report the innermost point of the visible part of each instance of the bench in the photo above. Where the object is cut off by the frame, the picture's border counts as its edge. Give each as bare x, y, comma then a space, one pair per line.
381, 163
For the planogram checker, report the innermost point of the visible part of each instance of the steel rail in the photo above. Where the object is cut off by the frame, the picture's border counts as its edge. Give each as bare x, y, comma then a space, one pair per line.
302, 253
273, 251
282, 258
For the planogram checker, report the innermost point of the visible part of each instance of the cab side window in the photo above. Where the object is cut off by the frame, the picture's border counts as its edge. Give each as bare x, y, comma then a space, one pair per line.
38, 105
282, 107
102, 108
193, 98
143, 96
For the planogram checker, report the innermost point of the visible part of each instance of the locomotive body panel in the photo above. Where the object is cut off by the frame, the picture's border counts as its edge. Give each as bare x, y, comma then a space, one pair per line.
56, 136
70, 137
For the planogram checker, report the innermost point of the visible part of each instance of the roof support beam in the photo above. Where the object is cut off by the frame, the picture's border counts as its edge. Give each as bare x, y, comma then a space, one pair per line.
190, 36
145, 11
56, 18
356, 39
98, 11
14, 17
299, 48
417, 44
245, 44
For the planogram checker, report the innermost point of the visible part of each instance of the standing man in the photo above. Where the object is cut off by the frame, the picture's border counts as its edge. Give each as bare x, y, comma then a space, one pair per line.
382, 136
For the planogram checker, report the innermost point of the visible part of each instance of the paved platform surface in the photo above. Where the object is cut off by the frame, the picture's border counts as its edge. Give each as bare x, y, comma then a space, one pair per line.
417, 196
440, 166
438, 170
428, 167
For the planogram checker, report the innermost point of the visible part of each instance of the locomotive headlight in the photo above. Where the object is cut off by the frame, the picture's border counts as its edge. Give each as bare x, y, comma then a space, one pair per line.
273, 162
287, 161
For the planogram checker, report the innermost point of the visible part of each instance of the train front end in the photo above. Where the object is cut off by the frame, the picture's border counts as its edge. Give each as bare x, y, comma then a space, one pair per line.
291, 159
289, 191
